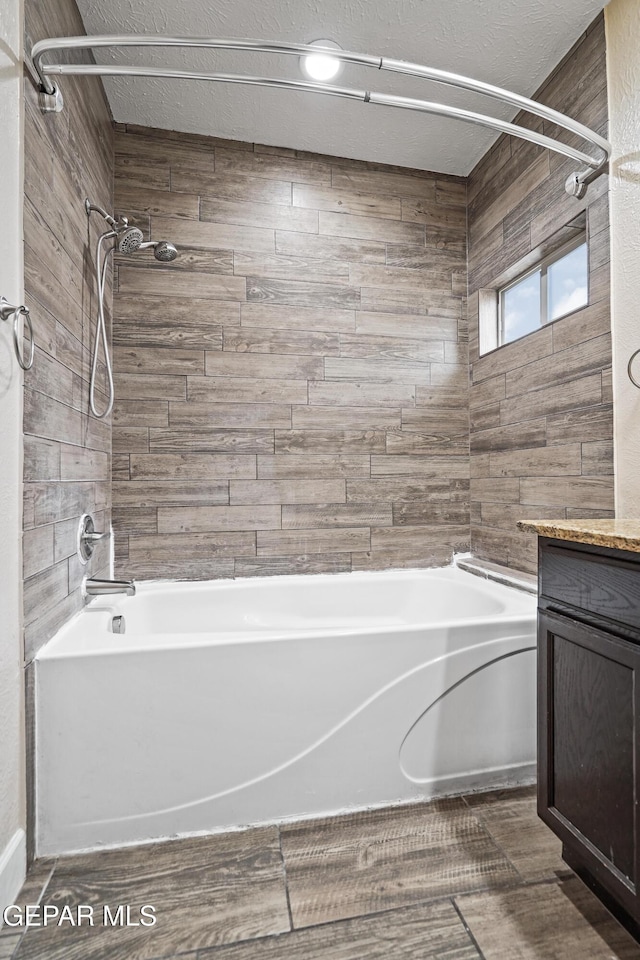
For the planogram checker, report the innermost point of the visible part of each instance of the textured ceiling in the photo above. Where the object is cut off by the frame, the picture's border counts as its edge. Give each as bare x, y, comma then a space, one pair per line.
512, 43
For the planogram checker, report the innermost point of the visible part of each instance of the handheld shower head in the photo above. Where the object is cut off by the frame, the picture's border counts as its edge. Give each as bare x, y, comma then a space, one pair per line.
164, 251
128, 239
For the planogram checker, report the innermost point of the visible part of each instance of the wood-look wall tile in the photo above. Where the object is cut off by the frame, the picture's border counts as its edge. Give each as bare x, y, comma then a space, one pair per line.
387, 184
207, 440
349, 394
329, 441
37, 550
588, 424
319, 490
279, 566
303, 294
170, 493
41, 459
258, 366
249, 214
582, 392
303, 322
47, 418
577, 361
369, 347
421, 467
592, 321
279, 467
151, 386
431, 419
141, 413
429, 444
303, 343
334, 515
496, 489
162, 281
271, 543
597, 458
589, 492
181, 313
79, 463
130, 440
264, 316
330, 247
393, 371
132, 198
230, 186
189, 259
43, 590
120, 466
531, 433
246, 390
198, 519
561, 460
346, 201
180, 548
228, 415
186, 568
275, 168
290, 268
512, 355
400, 489
191, 466
418, 327
430, 513
135, 520
209, 235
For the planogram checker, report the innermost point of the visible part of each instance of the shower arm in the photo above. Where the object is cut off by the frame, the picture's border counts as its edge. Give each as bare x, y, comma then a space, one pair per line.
576, 184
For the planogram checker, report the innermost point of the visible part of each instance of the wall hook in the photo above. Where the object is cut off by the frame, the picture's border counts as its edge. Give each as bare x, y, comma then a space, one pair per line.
8, 310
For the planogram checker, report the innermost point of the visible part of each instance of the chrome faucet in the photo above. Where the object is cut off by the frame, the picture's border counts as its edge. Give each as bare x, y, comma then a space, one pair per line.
105, 588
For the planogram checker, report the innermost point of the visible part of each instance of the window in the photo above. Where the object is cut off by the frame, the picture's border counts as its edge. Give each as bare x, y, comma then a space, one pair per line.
556, 287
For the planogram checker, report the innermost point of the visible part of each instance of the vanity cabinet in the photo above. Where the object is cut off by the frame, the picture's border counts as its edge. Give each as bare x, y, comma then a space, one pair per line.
589, 715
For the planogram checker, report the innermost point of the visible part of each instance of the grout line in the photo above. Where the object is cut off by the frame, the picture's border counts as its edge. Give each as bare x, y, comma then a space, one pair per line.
467, 928
286, 881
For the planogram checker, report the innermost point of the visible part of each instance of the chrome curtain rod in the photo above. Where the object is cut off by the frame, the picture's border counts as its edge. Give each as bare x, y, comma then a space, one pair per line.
575, 185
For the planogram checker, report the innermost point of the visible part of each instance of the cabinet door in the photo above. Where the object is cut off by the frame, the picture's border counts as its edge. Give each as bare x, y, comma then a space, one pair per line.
588, 748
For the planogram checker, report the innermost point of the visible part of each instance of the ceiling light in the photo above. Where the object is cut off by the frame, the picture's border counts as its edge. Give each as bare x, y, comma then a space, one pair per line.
321, 67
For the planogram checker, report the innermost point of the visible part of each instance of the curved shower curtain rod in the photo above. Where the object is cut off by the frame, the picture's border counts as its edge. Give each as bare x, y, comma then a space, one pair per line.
576, 184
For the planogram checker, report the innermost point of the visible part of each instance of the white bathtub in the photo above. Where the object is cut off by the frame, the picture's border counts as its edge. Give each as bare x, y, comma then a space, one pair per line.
237, 702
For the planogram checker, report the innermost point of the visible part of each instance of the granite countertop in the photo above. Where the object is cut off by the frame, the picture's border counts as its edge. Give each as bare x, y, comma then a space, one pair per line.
616, 534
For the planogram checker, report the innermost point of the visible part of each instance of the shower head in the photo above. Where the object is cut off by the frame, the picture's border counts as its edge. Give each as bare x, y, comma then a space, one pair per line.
128, 239
164, 251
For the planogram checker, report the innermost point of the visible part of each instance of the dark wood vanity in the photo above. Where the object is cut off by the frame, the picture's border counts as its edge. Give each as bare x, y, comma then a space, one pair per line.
589, 709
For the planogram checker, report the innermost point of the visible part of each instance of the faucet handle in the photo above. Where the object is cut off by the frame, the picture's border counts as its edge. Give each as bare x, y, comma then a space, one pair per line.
88, 536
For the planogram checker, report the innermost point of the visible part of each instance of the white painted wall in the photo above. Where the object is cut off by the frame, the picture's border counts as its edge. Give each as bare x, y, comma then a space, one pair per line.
622, 18
12, 835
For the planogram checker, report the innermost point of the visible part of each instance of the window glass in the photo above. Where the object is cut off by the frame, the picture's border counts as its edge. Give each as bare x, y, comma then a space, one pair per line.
521, 308
567, 283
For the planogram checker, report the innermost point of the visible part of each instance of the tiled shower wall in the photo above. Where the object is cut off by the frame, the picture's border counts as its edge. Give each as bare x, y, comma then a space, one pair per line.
293, 389
541, 408
67, 469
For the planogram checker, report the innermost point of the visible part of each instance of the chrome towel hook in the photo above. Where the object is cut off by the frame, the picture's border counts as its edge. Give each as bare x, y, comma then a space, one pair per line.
8, 310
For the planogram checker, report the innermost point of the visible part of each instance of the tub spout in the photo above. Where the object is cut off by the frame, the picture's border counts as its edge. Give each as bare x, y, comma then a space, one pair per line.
101, 588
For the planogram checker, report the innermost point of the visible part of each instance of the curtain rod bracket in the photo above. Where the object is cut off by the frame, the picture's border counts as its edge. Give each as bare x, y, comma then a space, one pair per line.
51, 102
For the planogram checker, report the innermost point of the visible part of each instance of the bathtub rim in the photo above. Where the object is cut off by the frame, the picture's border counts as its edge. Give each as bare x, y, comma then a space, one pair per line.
520, 607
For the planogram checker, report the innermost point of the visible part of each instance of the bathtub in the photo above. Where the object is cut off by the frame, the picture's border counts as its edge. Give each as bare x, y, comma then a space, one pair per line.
239, 702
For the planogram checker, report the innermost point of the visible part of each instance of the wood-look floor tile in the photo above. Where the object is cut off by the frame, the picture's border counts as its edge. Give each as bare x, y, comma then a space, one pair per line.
425, 932
366, 862
547, 921
206, 891
511, 818
8, 944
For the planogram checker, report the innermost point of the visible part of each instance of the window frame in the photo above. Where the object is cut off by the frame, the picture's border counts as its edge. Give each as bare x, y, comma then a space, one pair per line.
542, 267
